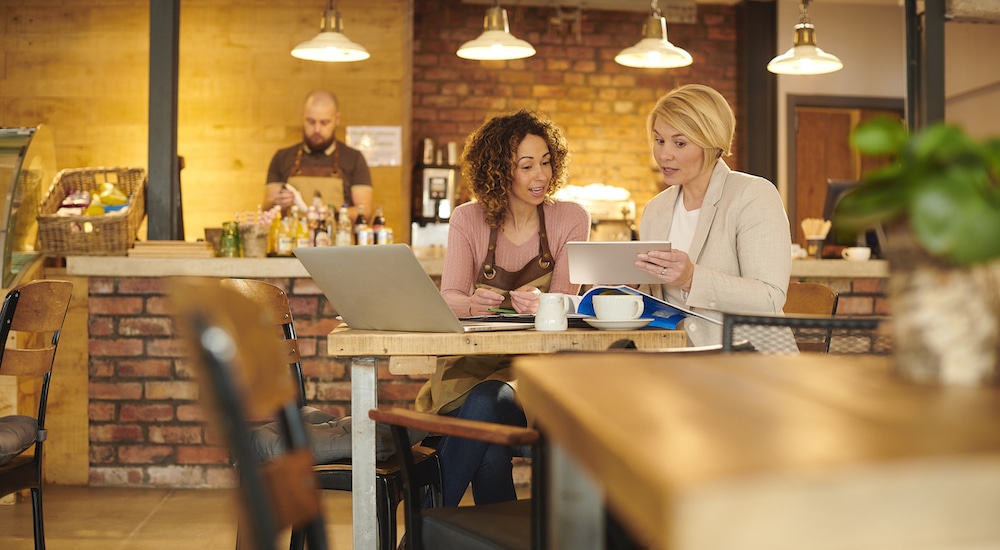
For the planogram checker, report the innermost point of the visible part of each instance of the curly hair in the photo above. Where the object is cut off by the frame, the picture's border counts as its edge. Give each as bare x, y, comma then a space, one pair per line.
488, 161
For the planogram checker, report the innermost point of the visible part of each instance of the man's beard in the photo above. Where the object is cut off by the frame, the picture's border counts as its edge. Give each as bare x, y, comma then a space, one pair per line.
317, 146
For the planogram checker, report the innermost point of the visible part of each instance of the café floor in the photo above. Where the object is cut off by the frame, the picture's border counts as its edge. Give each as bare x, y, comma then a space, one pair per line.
106, 518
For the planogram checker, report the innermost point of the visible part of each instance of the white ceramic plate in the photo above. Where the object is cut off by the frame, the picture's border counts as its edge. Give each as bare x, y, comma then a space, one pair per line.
628, 324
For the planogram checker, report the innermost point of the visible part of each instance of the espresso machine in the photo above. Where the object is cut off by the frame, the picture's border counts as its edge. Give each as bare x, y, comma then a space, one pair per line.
612, 211
435, 188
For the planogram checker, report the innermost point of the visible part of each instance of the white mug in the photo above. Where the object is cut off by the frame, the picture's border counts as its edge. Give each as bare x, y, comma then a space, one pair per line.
856, 253
552, 310
618, 307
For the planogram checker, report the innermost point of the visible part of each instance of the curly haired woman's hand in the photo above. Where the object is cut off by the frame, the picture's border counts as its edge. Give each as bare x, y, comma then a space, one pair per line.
525, 299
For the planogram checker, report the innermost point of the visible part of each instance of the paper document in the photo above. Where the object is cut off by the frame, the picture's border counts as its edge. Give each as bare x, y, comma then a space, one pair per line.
664, 315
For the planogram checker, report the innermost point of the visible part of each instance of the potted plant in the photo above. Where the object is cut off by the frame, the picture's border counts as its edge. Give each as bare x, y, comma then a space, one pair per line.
939, 201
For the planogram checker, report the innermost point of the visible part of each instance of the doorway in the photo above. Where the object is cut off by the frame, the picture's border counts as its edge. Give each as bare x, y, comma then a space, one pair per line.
819, 129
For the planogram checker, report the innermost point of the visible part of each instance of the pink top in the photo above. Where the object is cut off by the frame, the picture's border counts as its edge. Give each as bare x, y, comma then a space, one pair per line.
469, 236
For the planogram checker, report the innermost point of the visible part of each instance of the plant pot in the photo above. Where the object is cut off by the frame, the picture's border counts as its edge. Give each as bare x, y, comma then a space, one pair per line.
945, 319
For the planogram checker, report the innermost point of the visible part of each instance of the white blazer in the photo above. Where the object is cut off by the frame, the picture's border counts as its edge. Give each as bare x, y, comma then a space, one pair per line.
741, 250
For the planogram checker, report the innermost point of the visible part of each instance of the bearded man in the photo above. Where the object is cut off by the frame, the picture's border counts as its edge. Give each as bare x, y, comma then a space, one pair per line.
321, 165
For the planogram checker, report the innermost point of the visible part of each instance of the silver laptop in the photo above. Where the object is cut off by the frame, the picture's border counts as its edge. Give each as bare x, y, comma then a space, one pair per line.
384, 287
610, 262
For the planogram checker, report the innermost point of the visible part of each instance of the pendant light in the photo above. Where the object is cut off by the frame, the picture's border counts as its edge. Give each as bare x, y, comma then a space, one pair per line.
330, 44
654, 51
804, 58
496, 42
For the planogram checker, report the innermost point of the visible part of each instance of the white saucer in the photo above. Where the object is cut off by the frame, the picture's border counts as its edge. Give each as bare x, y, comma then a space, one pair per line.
627, 324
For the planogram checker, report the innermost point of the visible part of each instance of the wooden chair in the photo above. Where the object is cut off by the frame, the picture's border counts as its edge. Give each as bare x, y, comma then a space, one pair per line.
231, 341
517, 524
333, 472
34, 312
811, 299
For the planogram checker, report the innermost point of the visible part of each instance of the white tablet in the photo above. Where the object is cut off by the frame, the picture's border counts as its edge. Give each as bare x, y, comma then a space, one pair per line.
610, 262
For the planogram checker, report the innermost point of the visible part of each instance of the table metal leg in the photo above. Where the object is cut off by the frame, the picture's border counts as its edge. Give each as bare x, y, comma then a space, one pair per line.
364, 397
576, 506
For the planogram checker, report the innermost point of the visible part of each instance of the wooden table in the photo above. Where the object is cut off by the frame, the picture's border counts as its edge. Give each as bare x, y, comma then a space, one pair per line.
763, 452
416, 353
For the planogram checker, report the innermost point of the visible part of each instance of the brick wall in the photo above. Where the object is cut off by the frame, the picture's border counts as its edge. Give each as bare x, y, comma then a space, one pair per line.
599, 104
147, 426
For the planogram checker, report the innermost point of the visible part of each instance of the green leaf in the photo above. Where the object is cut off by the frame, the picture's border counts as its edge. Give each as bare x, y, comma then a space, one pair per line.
953, 222
943, 182
881, 135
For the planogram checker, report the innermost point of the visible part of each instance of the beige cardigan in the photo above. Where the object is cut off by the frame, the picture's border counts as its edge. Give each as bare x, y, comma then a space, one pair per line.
741, 250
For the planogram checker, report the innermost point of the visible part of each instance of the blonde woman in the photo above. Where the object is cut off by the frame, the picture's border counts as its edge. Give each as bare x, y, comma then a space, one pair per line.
729, 231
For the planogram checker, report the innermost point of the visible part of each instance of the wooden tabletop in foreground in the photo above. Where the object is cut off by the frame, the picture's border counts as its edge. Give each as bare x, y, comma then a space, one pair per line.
762, 452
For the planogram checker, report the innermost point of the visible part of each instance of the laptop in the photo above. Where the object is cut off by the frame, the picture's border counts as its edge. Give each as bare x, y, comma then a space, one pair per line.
384, 287
609, 262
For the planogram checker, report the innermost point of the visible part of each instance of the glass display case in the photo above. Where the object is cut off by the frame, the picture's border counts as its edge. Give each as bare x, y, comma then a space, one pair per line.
27, 169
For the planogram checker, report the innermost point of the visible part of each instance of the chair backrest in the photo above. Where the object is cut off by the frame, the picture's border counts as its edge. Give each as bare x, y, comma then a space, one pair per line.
34, 312
810, 299
231, 340
849, 334
273, 302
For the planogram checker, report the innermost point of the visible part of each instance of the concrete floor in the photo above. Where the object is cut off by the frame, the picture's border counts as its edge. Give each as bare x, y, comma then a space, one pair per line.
102, 518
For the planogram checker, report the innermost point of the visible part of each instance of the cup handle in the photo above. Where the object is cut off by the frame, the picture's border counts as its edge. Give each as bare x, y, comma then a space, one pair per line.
639, 306
845, 254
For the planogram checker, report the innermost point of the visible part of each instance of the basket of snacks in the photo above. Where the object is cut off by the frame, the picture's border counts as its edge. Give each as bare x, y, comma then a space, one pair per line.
92, 212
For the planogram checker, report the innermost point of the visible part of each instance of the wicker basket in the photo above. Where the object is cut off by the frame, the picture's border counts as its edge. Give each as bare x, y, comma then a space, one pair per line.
107, 235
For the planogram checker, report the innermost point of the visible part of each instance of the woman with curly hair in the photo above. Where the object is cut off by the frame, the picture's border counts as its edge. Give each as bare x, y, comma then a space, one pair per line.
504, 249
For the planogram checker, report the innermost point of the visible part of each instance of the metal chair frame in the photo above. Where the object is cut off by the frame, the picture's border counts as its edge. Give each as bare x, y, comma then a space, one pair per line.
38, 307
831, 323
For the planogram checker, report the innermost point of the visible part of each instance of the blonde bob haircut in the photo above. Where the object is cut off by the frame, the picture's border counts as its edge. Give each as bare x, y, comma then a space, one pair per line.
702, 115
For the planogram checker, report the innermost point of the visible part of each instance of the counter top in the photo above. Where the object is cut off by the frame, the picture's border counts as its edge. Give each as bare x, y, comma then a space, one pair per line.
258, 268
431, 260
833, 269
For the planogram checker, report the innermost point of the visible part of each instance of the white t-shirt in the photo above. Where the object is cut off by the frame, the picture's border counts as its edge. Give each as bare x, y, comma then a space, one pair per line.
683, 225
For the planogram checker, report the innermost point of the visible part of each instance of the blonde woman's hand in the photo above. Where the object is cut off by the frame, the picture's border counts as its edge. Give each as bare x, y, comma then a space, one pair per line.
674, 267
525, 299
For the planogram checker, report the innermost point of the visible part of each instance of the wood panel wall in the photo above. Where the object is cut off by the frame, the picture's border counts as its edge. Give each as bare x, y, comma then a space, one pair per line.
81, 67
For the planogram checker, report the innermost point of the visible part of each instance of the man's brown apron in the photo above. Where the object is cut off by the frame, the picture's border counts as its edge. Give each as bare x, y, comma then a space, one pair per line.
323, 181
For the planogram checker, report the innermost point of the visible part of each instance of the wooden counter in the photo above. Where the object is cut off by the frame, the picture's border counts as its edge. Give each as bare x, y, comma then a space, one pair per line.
124, 399
432, 262
836, 269
258, 268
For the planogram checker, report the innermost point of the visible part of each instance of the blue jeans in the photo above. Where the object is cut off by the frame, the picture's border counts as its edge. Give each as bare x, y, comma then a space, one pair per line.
486, 465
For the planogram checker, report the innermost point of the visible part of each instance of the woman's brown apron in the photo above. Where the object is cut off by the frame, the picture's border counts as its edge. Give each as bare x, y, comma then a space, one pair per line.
454, 376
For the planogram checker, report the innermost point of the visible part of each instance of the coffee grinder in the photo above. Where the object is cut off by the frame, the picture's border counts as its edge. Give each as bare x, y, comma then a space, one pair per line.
435, 182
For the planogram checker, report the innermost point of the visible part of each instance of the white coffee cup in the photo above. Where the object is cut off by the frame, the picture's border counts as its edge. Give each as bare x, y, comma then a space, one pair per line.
618, 307
856, 253
552, 310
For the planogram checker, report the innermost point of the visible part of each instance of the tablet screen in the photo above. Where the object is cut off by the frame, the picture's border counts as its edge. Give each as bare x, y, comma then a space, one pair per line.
610, 262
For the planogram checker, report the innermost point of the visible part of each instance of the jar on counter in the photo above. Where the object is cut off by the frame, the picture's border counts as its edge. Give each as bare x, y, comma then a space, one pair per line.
229, 243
